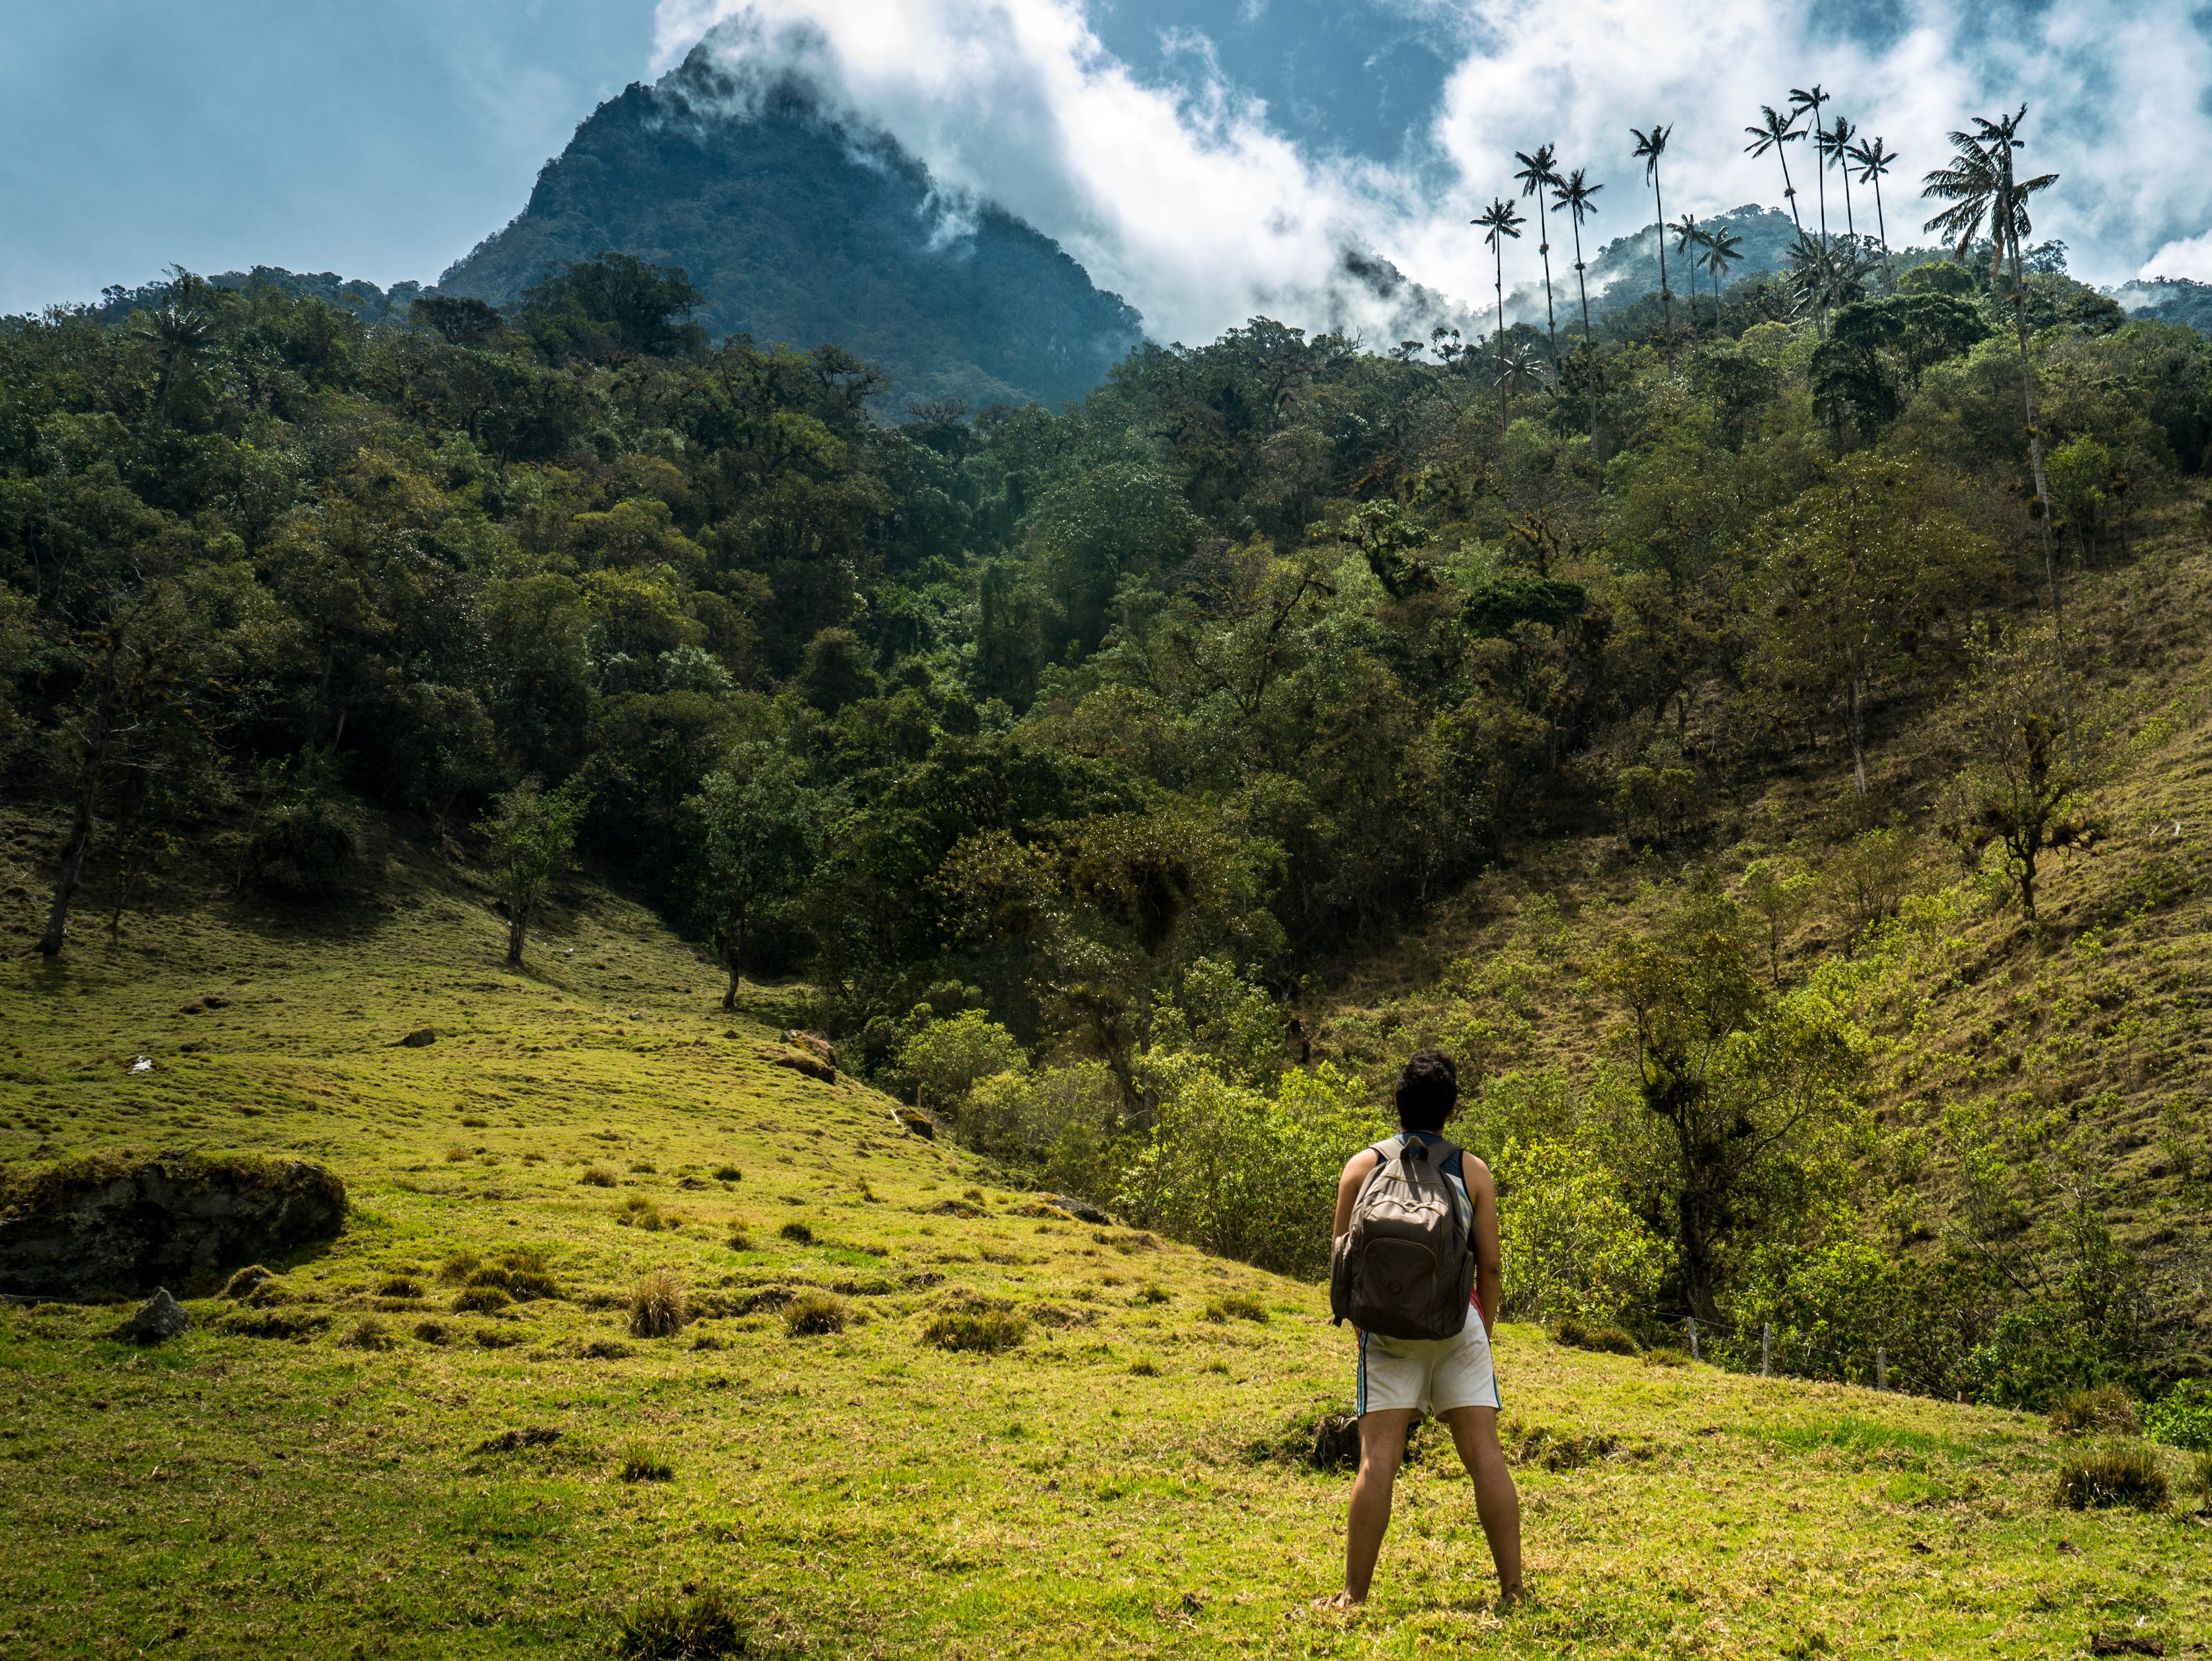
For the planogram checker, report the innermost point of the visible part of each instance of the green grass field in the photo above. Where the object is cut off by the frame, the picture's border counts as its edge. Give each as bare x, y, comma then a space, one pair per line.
368, 1484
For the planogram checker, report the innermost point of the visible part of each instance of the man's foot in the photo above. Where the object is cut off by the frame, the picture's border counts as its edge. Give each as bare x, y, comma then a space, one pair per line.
1343, 1603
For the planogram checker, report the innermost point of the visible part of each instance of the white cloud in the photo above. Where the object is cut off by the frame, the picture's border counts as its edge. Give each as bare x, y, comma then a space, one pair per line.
1190, 203
2190, 257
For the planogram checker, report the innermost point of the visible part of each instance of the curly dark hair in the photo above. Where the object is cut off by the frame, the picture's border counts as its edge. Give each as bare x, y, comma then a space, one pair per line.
1428, 1089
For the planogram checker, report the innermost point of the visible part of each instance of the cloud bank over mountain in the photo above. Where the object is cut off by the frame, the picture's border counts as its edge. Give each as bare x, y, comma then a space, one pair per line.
1216, 159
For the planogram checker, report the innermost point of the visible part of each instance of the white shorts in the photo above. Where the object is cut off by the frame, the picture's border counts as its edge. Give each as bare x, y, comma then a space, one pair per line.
1429, 1375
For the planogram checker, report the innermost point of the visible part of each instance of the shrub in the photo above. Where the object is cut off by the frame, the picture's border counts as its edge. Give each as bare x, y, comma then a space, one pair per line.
657, 1306
1573, 1248
641, 1461
1608, 1339
798, 1233
367, 1333
728, 1173
2182, 1418
2108, 1409
2115, 1476
597, 1176
304, 847
480, 1300
662, 1629
814, 1315
948, 1058
985, 1332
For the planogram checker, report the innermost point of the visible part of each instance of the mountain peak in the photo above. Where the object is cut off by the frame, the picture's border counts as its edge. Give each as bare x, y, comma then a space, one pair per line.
800, 226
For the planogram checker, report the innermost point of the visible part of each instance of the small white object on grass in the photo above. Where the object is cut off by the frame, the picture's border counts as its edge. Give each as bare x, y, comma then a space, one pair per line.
143, 1064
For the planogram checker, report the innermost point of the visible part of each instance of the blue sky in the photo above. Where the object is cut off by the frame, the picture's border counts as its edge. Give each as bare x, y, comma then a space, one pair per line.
379, 139
1208, 159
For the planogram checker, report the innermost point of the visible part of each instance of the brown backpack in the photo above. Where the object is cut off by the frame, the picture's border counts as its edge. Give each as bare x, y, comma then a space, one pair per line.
1406, 1266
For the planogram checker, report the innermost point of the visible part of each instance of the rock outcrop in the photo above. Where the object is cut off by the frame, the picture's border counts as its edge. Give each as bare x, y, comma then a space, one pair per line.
109, 1223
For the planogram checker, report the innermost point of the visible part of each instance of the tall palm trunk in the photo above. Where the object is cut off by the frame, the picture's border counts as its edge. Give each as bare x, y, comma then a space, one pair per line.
1544, 247
1589, 346
1666, 295
1790, 192
1820, 172
1497, 250
2042, 490
1881, 224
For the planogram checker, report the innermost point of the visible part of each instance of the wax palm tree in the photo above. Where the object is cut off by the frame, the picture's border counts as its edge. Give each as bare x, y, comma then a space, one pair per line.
1774, 131
1578, 197
1724, 247
1499, 221
1689, 239
1649, 147
1537, 175
1519, 370
1804, 98
1836, 153
1874, 162
1981, 184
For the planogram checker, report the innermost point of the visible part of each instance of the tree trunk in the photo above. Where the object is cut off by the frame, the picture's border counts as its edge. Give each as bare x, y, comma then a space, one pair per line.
730, 992
2042, 499
518, 925
90, 773
1855, 694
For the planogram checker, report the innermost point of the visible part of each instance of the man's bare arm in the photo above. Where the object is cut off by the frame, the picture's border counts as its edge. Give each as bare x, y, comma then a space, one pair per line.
1489, 1260
1357, 1171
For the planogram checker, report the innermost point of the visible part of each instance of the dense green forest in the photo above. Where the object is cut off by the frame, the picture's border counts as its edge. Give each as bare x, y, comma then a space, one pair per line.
1070, 757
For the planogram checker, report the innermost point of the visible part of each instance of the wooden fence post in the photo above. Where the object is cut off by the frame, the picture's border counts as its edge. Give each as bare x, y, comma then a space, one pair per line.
1766, 1349
1881, 1367
1691, 1323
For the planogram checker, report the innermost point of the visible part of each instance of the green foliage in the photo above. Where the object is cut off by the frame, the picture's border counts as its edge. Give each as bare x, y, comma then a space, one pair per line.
531, 831
984, 1332
2182, 1418
2106, 1409
1573, 1248
950, 1058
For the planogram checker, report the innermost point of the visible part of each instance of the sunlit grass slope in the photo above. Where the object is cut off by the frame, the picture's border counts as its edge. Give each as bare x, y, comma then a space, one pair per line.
1104, 1487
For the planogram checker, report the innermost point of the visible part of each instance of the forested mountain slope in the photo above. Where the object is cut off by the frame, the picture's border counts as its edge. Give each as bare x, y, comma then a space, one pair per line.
797, 230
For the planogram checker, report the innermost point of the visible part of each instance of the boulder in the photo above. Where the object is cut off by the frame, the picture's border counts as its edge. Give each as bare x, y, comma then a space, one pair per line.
916, 1122
815, 1045
1081, 1210
798, 1060
109, 1223
161, 1317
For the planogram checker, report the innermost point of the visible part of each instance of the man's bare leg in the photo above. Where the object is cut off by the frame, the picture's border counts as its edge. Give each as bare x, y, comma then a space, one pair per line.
1474, 1432
1381, 1449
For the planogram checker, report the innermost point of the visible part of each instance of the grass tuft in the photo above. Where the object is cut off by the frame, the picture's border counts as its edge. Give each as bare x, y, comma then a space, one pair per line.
2107, 1409
434, 1332
814, 1315
659, 1306
1145, 1368
400, 1285
480, 1300
984, 1332
2123, 1475
797, 1233
728, 1173
367, 1333
596, 1176
639, 1461
1608, 1339
663, 1629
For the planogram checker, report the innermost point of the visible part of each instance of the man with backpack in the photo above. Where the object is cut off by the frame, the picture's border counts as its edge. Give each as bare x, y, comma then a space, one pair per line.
1416, 1250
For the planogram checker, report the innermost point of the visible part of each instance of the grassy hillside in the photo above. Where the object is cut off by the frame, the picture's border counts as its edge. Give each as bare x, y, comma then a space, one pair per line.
1115, 1484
